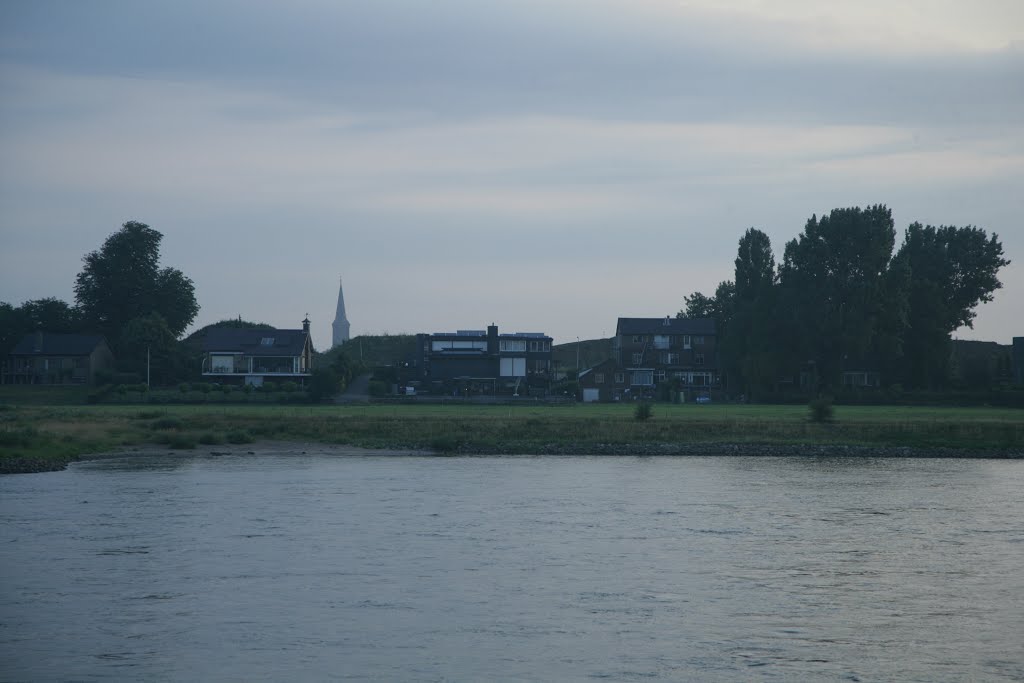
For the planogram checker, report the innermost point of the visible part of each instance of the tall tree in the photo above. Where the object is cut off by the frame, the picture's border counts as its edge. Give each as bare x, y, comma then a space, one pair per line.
751, 340
123, 281
953, 270
719, 307
755, 265
833, 276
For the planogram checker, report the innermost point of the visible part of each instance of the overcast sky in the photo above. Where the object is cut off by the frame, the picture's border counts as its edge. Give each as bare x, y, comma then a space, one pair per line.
547, 166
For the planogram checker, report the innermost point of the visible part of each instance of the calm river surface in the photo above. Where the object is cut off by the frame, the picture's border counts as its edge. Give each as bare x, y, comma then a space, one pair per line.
311, 567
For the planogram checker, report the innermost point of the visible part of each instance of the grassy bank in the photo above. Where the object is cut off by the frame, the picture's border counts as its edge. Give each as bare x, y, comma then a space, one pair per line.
34, 437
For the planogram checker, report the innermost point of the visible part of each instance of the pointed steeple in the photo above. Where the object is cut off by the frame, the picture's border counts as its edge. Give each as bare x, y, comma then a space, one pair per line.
340, 326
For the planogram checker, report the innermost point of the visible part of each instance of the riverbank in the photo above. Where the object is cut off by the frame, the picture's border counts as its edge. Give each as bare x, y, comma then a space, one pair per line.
41, 438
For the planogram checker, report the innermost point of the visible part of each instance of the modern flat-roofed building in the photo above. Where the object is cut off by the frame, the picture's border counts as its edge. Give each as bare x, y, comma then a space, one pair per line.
481, 362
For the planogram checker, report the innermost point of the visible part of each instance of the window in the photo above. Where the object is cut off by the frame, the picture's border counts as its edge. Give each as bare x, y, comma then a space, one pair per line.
538, 367
547, 346
699, 341
660, 375
668, 358
534, 346
512, 345
638, 358
619, 378
449, 345
642, 378
513, 367
267, 341
661, 341
638, 339
222, 364
698, 359
598, 378
686, 341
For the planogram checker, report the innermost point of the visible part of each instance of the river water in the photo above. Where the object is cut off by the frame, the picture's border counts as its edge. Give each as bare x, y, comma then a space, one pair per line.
280, 566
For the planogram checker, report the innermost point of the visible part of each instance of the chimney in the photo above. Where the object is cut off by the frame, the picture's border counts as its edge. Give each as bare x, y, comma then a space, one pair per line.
305, 324
492, 339
667, 322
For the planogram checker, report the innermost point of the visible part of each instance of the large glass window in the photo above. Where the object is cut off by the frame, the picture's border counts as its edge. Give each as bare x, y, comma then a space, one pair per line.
642, 378
450, 345
513, 367
512, 345
661, 341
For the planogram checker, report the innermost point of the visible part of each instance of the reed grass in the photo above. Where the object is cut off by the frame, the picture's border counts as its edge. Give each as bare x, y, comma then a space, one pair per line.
31, 436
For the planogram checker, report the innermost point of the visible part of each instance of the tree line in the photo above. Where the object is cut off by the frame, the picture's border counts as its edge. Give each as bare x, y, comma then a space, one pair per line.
142, 309
123, 293
845, 298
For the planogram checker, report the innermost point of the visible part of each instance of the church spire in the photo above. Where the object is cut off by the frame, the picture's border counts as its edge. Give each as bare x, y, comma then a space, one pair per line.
340, 327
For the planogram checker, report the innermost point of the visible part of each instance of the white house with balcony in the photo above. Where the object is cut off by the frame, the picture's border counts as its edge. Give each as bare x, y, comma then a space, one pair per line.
252, 356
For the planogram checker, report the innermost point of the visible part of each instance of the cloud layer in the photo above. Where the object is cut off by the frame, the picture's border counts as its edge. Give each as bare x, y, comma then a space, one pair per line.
548, 166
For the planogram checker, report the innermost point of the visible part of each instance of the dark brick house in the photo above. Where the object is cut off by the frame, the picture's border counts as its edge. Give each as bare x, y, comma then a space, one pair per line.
480, 362
54, 358
252, 356
656, 358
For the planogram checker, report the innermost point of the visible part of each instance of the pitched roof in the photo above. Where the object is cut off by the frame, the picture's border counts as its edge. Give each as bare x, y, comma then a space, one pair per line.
251, 341
57, 344
665, 326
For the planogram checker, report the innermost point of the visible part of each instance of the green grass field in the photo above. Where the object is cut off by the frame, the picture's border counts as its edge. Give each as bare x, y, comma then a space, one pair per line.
34, 436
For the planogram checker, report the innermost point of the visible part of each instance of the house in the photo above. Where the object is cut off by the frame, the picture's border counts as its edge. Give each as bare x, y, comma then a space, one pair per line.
52, 358
474, 362
252, 356
656, 358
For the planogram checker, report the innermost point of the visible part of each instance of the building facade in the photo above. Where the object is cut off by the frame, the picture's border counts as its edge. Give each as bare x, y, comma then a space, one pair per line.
665, 358
481, 362
252, 356
51, 358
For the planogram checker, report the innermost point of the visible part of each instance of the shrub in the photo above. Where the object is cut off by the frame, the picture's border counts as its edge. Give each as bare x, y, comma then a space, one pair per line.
167, 423
239, 436
378, 388
643, 411
820, 409
444, 444
147, 414
269, 386
247, 388
227, 388
323, 384
182, 441
211, 439
289, 386
206, 387
184, 387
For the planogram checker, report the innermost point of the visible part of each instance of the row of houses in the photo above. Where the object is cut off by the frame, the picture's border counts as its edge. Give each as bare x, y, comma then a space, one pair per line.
649, 355
229, 356
648, 351
651, 358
